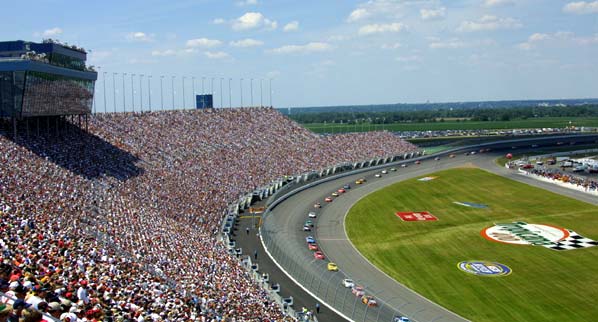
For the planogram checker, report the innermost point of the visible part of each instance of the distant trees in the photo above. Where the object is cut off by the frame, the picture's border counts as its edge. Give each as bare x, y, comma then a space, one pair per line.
442, 115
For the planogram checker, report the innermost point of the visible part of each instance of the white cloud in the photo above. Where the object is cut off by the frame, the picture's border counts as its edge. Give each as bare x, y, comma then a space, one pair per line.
248, 42
581, 7
587, 40
98, 56
303, 49
291, 26
253, 20
498, 3
525, 46
489, 23
163, 53
358, 14
391, 46
216, 54
538, 37
449, 44
203, 42
53, 32
218, 21
139, 36
381, 28
247, 3
432, 14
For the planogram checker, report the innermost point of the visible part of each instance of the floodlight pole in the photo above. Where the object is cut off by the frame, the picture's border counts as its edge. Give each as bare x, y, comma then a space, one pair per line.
261, 93
251, 90
114, 90
230, 103
193, 85
241, 87
149, 91
132, 93
221, 104
141, 93
184, 92
104, 79
172, 88
270, 92
124, 103
161, 92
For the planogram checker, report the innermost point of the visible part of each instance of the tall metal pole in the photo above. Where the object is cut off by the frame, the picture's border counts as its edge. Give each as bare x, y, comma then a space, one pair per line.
241, 87
251, 90
104, 91
132, 94
141, 92
124, 103
202, 87
184, 92
193, 85
95, 103
114, 90
230, 96
172, 88
270, 86
221, 79
212, 89
261, 93
161, 93
149, 91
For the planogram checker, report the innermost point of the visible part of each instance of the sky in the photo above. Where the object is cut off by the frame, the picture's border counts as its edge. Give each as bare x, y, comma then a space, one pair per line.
324, 52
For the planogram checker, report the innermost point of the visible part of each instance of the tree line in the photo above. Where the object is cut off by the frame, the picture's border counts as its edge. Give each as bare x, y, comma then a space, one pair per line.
452, 114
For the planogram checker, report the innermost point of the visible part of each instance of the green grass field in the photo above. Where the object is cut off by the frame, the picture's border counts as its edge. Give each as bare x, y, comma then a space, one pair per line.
558, 122
546, 285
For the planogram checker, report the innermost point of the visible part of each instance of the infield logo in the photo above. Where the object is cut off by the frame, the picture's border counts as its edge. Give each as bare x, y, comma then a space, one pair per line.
484, 268
522, 233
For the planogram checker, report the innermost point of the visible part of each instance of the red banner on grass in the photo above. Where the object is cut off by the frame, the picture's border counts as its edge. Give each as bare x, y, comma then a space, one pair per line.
416, 216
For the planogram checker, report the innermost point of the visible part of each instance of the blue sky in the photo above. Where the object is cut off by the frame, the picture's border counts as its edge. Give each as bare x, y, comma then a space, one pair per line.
330, 52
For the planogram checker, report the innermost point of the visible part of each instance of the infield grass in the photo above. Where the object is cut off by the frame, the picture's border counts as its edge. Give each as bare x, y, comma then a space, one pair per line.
545, 285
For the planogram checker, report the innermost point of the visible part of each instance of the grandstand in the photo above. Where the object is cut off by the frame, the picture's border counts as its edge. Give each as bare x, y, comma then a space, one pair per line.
121, 222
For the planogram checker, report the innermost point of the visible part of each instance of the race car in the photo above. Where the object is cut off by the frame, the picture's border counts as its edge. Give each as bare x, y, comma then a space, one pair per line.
332, 267
368, 300
451, 156
384, 171
319, 255
399, 318
311, 214
317, 205
359, 181
335, 194
393, 169
312, 246
341, 190
328, 199
418, 162
437, 158
357, 290
348, 283
309, 223
404, 165
347, 186
377, 175
310, 239
306, 228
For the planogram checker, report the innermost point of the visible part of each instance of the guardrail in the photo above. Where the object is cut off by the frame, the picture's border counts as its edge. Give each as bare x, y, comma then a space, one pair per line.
328, 290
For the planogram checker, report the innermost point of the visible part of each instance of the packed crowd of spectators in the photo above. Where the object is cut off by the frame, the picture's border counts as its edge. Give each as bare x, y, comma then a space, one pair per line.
121, 223
587, 184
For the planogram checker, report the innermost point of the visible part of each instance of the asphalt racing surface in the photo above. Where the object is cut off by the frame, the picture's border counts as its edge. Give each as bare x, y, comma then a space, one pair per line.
284, 225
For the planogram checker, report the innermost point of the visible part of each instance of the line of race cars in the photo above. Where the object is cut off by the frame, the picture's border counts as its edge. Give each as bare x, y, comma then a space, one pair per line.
312, 245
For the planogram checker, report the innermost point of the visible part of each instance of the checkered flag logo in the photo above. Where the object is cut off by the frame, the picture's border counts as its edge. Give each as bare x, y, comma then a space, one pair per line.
574, 241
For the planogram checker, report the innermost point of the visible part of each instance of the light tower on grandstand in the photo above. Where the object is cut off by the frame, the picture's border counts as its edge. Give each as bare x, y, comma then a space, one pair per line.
241, 88
141, 93
203, 79
193, 87
149, 91
124, 103
270, 87
184, 91
114, 90
230, 96
132, 94
221, 79
261, 93
251, 90
172, 88
212, 87
161, 93
104, 80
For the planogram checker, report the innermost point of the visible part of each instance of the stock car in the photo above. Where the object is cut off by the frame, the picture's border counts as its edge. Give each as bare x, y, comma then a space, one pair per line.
310, 239
348, 283
335, 194
312, 214
369, 300
328, 199
309, 223
451, 156
319, 255
332, 267
360, 181
418, 162
393, 169
404, 165
357, 290
341, 190
377, 175
306, 228
317, 205
312, 246
437, 158
347, 186
384, 171
399, 318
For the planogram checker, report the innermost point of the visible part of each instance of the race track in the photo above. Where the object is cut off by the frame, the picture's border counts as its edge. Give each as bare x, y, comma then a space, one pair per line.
284, 226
